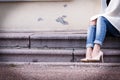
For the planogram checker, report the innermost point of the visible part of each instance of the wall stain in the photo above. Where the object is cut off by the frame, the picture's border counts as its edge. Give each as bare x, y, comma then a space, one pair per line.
40, 19
65, 5
61, 20
64, 16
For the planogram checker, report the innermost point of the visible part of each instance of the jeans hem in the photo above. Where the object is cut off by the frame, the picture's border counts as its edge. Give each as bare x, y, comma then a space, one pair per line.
98, 42
89, 45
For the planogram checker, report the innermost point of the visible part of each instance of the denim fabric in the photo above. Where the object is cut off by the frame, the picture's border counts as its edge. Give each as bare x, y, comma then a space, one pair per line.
97, 33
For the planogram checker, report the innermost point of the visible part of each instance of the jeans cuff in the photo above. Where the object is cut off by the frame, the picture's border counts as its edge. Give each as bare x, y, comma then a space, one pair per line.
98, 42
89, 45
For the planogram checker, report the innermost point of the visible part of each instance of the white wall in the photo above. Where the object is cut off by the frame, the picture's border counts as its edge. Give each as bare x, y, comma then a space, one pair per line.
43, 16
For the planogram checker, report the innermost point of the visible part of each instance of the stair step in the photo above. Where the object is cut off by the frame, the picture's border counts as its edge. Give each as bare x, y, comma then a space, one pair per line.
58, 64
52, 55
14, 40
51, 40
110, 55
35, 55
58, 40
59, 71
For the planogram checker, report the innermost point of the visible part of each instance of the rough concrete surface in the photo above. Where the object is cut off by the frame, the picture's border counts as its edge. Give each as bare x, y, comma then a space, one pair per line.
60, 72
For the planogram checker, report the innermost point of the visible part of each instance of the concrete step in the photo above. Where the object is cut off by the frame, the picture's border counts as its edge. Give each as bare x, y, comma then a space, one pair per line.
59, 71
53, 55
51, 40
14, 40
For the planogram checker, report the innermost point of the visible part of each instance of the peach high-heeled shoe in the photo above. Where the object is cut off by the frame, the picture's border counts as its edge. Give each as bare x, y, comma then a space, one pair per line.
97, 58
85, 59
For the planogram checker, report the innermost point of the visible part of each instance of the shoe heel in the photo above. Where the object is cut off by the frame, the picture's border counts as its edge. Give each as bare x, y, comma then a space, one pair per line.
98, 58
102, 59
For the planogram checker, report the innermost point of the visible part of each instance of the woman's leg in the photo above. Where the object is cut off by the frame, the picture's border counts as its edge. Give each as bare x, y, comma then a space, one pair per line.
101, 30
90, 39
103, 27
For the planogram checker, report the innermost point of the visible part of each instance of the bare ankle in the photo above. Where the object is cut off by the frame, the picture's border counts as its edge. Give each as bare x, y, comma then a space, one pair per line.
96, 49
89, 52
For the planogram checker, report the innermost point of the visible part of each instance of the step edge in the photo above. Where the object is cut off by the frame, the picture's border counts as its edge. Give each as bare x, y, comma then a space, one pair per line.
76, 52
35, 51
61, 64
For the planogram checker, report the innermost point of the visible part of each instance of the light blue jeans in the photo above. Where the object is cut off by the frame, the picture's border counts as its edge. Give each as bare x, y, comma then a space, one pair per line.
97, 33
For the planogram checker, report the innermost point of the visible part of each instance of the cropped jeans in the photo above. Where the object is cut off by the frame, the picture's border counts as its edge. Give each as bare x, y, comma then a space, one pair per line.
97, 33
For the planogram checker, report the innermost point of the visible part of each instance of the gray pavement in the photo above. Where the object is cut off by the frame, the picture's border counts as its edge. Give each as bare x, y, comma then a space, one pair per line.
59, 71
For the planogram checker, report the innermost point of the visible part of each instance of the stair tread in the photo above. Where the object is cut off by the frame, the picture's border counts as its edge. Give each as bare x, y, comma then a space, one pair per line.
55, 51
58, 36
60, 71
45, 35
61, 64
14, 35
42, 35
